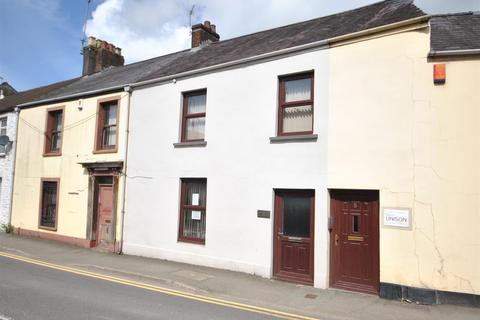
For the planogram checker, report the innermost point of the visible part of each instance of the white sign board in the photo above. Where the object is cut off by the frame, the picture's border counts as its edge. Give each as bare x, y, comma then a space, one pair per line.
195, 199
196, 215
397, 217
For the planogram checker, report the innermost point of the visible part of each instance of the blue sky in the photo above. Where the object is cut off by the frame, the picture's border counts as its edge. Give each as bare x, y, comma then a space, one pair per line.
40, 39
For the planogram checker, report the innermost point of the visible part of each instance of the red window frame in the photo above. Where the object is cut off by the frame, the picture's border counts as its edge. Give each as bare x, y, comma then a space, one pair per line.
100, 126
184, 206
186, 115
43, 204
282, 105
50, 132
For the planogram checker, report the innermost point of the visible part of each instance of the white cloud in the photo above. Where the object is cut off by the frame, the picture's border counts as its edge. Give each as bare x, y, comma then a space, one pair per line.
149, 28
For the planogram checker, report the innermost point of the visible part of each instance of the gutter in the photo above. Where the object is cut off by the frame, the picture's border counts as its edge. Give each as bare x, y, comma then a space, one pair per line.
129, 90
451, 53
322, 44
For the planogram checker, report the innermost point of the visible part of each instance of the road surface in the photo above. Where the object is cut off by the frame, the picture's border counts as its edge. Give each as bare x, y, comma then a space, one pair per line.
32, 292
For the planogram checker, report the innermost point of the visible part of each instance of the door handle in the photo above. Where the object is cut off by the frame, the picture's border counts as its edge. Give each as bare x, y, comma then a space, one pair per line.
337, 238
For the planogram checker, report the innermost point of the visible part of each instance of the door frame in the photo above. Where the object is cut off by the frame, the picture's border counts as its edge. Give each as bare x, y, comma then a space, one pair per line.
333, 263
276, 273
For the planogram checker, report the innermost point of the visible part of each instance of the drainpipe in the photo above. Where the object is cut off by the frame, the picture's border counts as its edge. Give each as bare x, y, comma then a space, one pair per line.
14, 154
128, 90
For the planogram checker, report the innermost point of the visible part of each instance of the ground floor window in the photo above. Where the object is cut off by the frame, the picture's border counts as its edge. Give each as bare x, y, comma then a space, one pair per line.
193, 210
49, 203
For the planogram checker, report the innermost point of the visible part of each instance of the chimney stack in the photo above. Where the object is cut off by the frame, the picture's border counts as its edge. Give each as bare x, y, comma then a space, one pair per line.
202, 34
99, 54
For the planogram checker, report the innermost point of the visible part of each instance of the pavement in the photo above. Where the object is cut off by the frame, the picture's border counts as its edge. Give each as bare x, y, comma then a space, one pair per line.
213, 284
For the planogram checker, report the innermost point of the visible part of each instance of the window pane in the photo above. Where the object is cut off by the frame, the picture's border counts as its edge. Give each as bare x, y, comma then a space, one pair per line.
57, 121
297, 90
296, 216
356, 224
110, 114
196, 104
297, 119
49, 204
109, 136
196, 194
194, 223
195, 128
3, 126
56, 140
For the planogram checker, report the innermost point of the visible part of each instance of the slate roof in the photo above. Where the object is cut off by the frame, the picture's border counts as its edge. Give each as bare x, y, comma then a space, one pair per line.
10, 102
455, 32
367, 17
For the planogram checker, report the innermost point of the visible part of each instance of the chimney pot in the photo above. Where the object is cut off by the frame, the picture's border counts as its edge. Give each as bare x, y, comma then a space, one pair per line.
203, 34
99, 54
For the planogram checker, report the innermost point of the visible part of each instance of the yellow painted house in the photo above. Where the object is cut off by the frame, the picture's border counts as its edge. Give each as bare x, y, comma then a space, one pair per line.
68, 184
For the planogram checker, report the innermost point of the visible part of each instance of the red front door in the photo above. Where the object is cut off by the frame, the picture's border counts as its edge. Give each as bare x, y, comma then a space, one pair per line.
354, 254
104, 232
293, 235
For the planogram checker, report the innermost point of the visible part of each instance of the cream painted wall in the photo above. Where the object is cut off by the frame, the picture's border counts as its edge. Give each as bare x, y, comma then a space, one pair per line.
77, 146
391, 129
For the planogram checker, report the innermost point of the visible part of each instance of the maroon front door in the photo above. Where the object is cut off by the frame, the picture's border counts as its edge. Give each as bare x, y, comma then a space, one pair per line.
104, 232
293, 235
354, 255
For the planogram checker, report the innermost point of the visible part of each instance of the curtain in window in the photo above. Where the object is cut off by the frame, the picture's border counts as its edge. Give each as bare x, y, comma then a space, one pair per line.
49, 205
297, 90
110, 125
195, 128
194, 219
197, 104
297, 119
56, 131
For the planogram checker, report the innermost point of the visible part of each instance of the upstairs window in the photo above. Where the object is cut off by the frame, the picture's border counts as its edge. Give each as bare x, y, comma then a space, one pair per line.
53, 134
193, 120
3, 126
49, 204
3, 132
295, 112
193, 210
107, 122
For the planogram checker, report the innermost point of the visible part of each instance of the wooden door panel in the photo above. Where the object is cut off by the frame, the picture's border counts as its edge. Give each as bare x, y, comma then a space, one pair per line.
105, 228
293, 238
354, 259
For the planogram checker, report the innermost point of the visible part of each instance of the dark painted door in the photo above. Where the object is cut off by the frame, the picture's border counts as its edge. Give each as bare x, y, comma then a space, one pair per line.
105, 228
293, 235
354, 255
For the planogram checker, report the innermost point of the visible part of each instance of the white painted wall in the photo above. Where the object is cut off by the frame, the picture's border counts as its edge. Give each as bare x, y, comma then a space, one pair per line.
242, 167
6, 168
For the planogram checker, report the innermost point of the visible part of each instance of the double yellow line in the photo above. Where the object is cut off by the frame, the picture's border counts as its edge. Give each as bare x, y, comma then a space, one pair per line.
177, 293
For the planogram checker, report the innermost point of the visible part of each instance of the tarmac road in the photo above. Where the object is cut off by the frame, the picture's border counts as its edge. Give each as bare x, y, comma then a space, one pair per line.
29, 291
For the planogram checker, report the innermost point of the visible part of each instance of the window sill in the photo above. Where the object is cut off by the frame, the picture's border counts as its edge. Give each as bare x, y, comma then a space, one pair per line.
190, 144
295, 138
47, 228
193, 241
52, 154
105, 151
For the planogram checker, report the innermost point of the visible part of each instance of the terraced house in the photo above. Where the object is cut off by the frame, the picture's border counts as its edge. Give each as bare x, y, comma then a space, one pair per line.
336, 152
